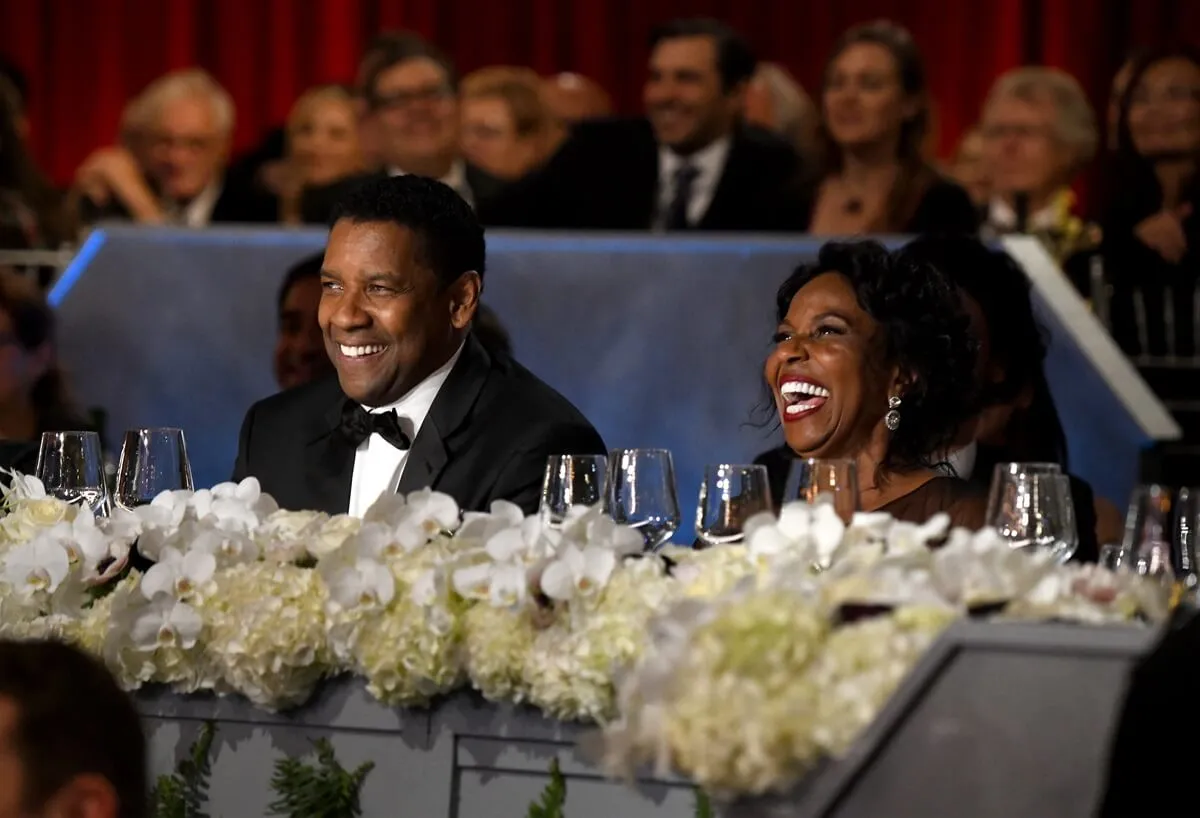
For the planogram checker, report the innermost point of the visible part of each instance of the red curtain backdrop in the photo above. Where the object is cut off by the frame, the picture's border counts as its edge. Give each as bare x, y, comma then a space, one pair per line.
84, 58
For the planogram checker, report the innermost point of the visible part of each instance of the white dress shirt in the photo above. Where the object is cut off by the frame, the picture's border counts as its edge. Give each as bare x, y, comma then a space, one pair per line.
456, 178
197, 212
1003, 219
377, 463
709, 163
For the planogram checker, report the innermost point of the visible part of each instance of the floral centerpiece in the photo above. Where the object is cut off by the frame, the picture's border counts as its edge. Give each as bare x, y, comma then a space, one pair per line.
740, 666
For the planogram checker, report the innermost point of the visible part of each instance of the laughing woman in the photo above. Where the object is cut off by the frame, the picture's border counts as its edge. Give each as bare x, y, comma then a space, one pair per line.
873, 361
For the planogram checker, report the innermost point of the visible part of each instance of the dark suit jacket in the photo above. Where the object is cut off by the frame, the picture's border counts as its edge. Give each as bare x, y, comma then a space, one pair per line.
237, 204
316, 203
486, 437
605, 177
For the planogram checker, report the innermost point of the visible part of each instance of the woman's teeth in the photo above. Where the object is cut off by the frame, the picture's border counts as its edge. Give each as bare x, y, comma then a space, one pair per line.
801, 397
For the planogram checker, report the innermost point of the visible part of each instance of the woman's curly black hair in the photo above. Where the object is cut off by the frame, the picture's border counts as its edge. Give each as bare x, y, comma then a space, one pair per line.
922, 331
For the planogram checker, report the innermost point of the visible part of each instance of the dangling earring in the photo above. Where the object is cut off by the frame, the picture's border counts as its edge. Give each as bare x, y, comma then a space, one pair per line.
892, 418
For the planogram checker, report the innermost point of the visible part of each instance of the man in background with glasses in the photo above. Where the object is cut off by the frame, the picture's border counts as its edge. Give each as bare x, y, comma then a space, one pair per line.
409, 122
418, 401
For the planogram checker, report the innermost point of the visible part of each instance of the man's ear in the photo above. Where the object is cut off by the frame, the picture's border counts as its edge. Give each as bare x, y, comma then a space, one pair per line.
464, 299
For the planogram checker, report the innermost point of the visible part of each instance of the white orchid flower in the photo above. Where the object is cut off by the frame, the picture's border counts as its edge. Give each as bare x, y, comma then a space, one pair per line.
229, 547
38, 565
388, 509
362, 583
527, 543
602, 531
827, 531
482, 526
85, 543
166, 623
795, 520
578, 572
428, 588
23, 487
904, 537
178, 574
510, 586
434, 511
766, 542
473, 582
122, 524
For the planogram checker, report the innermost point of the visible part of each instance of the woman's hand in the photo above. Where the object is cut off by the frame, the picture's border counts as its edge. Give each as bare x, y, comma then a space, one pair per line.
1163, 233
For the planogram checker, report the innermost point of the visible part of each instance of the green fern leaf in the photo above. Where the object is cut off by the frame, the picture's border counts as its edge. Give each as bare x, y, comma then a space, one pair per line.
553, 798
703, 805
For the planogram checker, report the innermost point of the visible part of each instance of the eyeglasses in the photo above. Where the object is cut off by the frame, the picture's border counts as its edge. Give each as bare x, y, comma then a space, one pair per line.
1000, 130
408, 97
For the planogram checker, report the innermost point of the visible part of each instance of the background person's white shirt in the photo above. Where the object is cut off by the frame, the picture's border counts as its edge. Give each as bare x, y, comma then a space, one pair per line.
378, 464
709, 163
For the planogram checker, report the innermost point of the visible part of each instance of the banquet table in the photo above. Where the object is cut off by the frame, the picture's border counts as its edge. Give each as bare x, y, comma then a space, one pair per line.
997, 720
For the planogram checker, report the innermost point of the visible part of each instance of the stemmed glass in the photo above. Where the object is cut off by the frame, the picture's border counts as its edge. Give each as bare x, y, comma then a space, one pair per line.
729, 496
825, 481
71, 467
1150, 538
641, 493
572, 480
1030, 505
152, 461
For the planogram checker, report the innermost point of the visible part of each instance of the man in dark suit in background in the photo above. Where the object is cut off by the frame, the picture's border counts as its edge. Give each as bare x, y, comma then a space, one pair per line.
690, 164
410, 119
418, 401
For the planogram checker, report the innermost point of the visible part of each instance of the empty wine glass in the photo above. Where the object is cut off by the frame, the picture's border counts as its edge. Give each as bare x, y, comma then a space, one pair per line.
729, 496
71, 467
1187, 532
1032, 508
641, 493
825, 481
1148, 532
571, 480
152, 461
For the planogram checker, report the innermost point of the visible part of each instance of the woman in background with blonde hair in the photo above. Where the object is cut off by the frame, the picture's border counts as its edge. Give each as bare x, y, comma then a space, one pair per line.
322, 147
506, 126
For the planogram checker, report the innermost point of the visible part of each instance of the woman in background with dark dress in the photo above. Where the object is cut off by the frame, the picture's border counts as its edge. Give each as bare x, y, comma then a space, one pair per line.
874, 175
1017, 421
32, 216
1151, 227
871, 356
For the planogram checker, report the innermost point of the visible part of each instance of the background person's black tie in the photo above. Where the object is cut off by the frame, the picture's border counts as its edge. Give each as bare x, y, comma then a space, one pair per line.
677, 215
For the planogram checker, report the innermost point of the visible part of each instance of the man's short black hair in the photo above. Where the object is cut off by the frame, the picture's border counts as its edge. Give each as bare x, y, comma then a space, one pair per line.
72, 719
395, 47
16, 77
735, 59
449, 236
309, 267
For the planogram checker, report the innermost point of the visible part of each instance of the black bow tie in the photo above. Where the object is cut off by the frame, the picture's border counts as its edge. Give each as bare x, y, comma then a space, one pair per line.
358, 424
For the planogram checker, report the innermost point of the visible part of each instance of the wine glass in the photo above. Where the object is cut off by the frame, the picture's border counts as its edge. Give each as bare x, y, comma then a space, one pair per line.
1032, 509
571, 480
71, 467
1149, 534
641, 493
152, 461
1186, 531
825, 481
729, 496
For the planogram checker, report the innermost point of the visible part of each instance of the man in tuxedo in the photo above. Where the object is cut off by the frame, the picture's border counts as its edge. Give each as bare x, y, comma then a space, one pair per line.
690, 164
418, 401
411, 118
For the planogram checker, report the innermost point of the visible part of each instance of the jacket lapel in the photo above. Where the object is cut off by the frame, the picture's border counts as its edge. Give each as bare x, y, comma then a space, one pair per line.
726, 190
434, 444
329, 461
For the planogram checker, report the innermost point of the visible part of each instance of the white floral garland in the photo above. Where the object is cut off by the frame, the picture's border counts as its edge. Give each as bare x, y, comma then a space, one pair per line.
731, 665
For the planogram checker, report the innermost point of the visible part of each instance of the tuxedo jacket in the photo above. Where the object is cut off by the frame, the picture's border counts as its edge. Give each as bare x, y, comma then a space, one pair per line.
487, 437
606, 177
